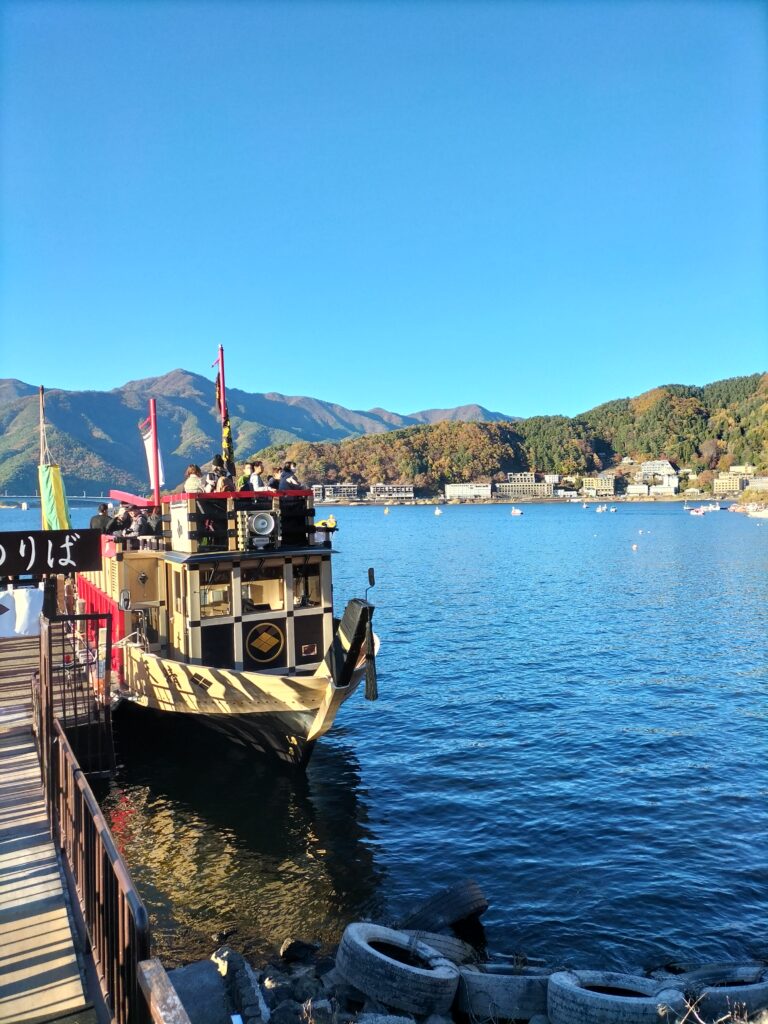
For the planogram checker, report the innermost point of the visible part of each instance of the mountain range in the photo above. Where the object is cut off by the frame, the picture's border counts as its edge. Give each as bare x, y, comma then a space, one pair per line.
93, 435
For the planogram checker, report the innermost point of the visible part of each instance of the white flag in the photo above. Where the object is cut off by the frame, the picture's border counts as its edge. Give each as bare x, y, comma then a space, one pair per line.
146, 436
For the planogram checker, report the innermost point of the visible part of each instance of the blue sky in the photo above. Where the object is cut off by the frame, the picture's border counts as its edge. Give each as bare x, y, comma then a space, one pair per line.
533, 206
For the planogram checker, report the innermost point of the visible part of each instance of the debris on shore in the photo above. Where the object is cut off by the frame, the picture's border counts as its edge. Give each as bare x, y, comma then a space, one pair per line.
432, 968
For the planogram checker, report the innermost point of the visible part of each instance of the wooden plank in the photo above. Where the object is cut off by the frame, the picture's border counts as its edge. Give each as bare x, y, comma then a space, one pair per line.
19, 658
40, 971
165, 1007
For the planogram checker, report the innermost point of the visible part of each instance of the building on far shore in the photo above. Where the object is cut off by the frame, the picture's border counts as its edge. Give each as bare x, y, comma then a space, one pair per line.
601, 486
525, 485
737, 479
390, 492
637, 490
659, 473
467, 491
336, 492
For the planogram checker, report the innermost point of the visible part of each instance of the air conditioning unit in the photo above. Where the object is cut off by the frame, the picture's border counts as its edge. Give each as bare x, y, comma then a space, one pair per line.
257, 530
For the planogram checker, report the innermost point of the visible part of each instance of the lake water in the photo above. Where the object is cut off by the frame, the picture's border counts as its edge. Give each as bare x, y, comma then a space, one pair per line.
577, 725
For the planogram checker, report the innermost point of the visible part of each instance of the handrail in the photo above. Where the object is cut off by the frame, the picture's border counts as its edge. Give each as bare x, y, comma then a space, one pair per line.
114, 915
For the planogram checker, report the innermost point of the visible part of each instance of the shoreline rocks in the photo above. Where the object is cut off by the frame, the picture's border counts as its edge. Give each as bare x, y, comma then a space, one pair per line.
382, 975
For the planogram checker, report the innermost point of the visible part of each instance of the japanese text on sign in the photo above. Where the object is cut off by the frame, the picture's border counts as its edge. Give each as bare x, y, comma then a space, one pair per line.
42, 552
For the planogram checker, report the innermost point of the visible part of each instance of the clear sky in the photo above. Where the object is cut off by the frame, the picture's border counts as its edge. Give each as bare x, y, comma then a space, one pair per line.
533, 206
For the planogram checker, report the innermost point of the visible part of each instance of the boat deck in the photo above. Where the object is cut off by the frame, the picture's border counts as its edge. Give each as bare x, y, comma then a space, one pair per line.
40, 978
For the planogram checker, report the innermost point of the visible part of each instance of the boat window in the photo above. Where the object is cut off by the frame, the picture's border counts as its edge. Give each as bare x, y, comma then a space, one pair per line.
306, 585
262, 588
215, 593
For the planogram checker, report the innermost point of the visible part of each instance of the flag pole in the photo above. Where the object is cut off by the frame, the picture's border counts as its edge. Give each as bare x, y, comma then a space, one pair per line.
155, 450
223, 395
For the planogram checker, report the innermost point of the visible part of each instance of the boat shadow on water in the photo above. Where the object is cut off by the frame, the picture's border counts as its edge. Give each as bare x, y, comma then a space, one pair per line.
221, 842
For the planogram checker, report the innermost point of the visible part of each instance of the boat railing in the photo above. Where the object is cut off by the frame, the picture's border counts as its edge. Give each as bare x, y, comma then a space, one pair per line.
238, 520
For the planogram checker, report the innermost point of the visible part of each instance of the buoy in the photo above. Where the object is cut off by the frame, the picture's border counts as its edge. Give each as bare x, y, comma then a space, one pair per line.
634, 547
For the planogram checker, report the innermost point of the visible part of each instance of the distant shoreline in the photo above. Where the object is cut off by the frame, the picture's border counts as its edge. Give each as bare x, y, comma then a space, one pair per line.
616, 500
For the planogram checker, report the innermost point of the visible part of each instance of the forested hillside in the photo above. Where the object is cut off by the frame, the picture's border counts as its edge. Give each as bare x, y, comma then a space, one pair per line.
94, 435
704, 428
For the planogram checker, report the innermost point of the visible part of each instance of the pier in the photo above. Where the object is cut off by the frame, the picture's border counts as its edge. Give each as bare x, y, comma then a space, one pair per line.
74, 936
41, 971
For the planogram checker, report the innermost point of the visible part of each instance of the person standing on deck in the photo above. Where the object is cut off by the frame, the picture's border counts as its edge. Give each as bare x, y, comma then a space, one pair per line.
288, 479
257, 477
101, 521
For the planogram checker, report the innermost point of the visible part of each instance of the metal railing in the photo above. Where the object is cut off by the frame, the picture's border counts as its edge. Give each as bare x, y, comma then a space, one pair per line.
114, 915
72, 694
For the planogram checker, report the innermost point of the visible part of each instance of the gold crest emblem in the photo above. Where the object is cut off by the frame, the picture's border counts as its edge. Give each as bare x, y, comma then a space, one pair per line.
265, 642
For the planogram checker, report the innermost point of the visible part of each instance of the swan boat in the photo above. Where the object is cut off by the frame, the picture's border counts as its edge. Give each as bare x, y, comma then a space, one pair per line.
227, 620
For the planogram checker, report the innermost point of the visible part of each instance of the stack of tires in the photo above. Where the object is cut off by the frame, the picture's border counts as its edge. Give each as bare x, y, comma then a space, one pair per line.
420, 969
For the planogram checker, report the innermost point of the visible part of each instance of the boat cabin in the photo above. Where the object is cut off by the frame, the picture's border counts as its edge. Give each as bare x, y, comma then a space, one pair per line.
239, 581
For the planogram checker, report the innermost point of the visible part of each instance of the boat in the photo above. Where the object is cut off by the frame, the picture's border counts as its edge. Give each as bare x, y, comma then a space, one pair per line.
612, 508
386, 511
515, 511
226, 618
438, 511
697, 511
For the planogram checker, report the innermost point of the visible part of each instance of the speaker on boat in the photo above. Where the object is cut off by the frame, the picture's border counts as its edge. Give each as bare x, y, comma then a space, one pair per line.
257, 529
261, 524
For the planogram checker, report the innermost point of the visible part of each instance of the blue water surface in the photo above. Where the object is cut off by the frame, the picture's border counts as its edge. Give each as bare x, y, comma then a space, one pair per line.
572, 712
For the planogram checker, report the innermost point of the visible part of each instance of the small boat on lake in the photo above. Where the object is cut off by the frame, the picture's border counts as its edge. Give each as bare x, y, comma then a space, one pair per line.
515, 511
438, 511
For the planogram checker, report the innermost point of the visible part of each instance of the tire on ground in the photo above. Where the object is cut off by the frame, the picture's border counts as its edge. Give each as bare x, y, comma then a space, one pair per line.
605, 997
491, 992
396, 969
696, 970
447, 907
721, 989
453, 949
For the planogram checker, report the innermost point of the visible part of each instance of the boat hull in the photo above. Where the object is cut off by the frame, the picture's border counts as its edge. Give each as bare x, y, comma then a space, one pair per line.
281, 716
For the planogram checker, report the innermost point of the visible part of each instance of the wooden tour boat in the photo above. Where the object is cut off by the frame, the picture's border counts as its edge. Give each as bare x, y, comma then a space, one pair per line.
227, 619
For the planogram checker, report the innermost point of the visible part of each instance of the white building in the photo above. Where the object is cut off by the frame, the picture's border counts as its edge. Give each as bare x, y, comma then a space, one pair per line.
656, 467
336, 492
551, 478
391, 492
524, 485
638, 490
466, 492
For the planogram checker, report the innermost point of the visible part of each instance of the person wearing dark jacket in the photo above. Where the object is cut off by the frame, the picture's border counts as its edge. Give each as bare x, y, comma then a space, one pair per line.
288, 479
101, 521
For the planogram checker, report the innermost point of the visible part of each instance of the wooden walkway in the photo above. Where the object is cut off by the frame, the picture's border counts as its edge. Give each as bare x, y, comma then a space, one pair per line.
40, 978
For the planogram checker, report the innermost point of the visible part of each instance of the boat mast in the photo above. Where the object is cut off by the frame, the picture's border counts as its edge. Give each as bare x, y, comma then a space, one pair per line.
42, 424
155, 451
227, 447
